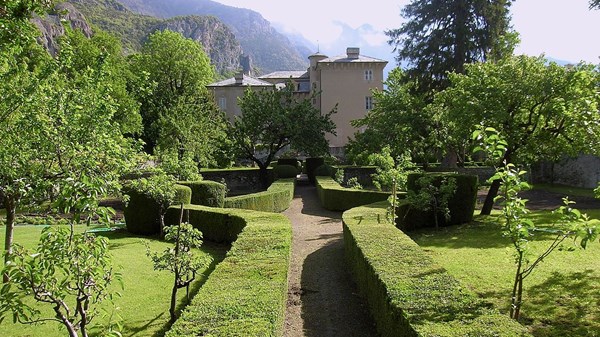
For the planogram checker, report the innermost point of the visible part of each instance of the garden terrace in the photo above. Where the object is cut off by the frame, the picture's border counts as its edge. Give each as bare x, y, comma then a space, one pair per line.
407, 293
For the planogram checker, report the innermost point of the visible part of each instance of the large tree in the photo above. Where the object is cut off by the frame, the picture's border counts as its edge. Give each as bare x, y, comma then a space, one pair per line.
273, 119
545, 111
179, 115
399, 120
442, 36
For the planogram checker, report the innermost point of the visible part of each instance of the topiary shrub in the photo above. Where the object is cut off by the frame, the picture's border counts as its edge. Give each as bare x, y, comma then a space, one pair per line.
325, 170
206, 192
311, 166
142, 213
289, 161
461, 204
283, 171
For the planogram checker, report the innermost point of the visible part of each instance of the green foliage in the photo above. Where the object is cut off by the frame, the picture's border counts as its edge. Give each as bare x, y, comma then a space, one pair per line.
433, 193
325, 170
400, 121
65, 267
273, 119
247, 291
406, 291
337, 198
518, 227
15, 27
276, 198
434, 46
354, 184
389, 170
180, 259
283, 171
206, 192
179, 115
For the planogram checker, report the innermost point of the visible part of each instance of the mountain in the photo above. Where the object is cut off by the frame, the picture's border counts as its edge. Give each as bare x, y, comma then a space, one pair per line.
268, 49
51, 27
218, 40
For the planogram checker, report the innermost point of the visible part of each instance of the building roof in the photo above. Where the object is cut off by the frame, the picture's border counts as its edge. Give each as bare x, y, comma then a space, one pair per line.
296, 74
345, 59
246, 81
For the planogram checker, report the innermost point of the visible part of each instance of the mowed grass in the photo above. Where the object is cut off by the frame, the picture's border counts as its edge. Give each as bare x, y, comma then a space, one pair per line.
145, 299
562, 296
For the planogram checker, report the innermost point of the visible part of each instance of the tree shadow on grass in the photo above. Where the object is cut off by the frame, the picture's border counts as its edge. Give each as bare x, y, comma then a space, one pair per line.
564, 301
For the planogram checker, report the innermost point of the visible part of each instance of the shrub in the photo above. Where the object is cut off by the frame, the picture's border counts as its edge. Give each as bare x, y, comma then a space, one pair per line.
275, 199
246, 293
289, 161
142, 213
325, 170
311, 166
206, 192
283, 171
408, 294
461, 204
337, 198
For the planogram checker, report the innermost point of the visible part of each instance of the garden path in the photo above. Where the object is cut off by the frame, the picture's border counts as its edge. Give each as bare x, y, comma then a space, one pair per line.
322, 297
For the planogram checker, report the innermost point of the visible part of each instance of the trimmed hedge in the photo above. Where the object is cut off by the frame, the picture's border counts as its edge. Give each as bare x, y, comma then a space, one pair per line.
206, 192
275, 199
246, 294
334, 197
461, 204
282, 171
142, 212
311, 165
289, 161
325, 170
408, 294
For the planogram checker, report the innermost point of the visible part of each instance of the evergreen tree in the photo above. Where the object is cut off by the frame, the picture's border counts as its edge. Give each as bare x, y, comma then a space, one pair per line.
441, 36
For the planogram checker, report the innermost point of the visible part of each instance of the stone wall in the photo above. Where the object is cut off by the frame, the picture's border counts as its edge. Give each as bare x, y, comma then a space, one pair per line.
583, 171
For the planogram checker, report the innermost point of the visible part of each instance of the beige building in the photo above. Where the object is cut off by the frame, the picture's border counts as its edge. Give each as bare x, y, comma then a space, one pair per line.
345, 80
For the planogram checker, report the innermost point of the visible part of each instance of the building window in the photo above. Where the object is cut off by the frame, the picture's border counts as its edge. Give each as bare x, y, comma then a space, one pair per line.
368, 75
222, 103
369, 102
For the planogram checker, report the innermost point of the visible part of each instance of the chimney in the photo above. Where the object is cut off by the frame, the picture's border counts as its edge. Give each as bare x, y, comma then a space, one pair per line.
246, 63
239, 78
352, 52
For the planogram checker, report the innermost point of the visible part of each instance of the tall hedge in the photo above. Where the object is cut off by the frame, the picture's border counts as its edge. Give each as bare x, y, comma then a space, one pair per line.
289, 161
283, 171
206, 192
461, 204
311, 166
142, 214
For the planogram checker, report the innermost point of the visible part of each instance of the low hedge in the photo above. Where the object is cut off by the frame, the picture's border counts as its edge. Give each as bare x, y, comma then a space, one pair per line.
142, 212
275, 199
461, 204
334, 197
246, 294
206, 192
408, 294
289, 161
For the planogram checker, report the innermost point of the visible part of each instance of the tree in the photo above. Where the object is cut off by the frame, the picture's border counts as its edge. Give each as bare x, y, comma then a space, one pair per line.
274, 119
160, 187
545, 111
517, 226
180, 259
178, 112
400, 120
15, 27
442, 36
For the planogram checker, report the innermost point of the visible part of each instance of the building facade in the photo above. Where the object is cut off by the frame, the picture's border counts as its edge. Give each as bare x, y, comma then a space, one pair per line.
344, 81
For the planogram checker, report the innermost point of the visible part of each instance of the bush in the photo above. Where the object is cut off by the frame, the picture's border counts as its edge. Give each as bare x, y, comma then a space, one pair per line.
142, 215
311, 166
325, 170
289, 161
283, 171
246, 293
275, 199
461, 205
206, 192
408, 294
337, 198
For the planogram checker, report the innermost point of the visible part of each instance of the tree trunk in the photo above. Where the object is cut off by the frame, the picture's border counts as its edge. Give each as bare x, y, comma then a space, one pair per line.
489, 198
70, 328
263, 175
10, 206
174, 299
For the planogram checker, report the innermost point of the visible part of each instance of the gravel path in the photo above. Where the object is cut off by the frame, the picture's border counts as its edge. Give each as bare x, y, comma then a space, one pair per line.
322, 297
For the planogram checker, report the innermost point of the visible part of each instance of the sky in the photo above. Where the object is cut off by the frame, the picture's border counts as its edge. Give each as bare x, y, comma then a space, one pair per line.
560, 29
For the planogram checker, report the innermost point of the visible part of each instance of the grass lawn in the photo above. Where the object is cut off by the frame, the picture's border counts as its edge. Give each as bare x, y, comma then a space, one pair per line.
562, 296
568, 190
144, 306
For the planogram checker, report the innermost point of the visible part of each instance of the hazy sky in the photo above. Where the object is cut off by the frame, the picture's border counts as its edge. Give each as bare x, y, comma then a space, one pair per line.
561, 29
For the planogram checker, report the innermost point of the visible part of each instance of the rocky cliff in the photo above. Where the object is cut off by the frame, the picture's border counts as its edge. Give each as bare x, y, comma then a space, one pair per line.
51, 27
